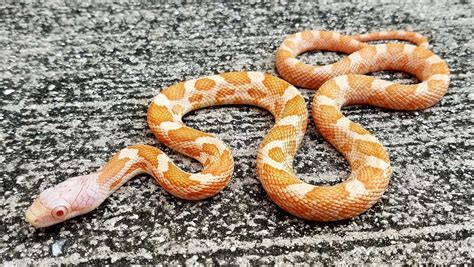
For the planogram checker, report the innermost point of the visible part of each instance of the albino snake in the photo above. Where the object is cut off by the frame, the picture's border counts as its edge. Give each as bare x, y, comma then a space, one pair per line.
370, 165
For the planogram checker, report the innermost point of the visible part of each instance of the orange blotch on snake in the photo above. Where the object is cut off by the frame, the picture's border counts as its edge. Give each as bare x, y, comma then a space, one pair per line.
396, 89
210, 149
403, 62
368, 52
277, 177
327, 198
371, 177
307, 36
275, 85
359, 82
177, 109
138, 166
435, 85
330, 114
422, 53
159, 114
205, 84
224, 92
177, 178
410, 34
342, 67
291, 147
345, 148
276, 154
147, 152
277, 133
236, 78
394, 49
284, 54
191, 151
195, 98
256, 93
304, 67
439, 68
112, 168
356, 163
290, 44
371, 149
277, 108
325, 35
238, 100
223, 165
330, 89
328, 132
175, 92
354, 127
185, 134
293, 107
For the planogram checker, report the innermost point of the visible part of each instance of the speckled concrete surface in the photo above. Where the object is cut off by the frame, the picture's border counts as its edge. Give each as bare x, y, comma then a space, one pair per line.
75, 84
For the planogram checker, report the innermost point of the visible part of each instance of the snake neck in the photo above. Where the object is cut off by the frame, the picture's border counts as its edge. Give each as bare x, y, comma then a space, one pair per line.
123, 166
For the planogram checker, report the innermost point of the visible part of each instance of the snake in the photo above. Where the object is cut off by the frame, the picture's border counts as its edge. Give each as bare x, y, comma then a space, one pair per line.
340, 84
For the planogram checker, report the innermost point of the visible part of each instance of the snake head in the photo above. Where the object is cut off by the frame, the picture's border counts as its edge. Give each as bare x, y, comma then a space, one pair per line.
73, 197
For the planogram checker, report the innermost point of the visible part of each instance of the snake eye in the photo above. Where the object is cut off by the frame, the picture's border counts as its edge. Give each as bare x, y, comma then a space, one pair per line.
59, 212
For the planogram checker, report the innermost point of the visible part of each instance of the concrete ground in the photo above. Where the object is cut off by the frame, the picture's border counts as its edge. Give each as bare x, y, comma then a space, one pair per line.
75, 84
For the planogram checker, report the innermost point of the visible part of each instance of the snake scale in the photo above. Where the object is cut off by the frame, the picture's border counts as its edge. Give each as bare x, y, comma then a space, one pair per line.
339, 84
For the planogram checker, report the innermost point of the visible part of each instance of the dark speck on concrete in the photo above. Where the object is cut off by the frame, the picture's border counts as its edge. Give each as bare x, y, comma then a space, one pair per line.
75, 83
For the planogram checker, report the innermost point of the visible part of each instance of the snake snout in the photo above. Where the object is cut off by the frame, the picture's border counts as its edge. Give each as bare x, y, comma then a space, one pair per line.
38, 215
31, 218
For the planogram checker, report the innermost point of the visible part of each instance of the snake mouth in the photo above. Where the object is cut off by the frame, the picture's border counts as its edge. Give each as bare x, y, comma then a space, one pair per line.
31, 218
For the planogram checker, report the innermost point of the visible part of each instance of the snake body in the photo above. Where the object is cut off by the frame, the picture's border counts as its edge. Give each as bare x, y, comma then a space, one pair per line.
339, 85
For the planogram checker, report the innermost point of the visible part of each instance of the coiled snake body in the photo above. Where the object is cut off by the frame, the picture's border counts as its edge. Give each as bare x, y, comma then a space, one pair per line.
339, 85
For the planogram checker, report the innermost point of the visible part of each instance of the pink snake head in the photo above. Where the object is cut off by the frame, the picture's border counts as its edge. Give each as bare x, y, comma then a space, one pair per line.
71, 198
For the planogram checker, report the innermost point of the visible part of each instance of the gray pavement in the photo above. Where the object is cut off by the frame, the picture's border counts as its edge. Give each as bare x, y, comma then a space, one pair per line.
75, 84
